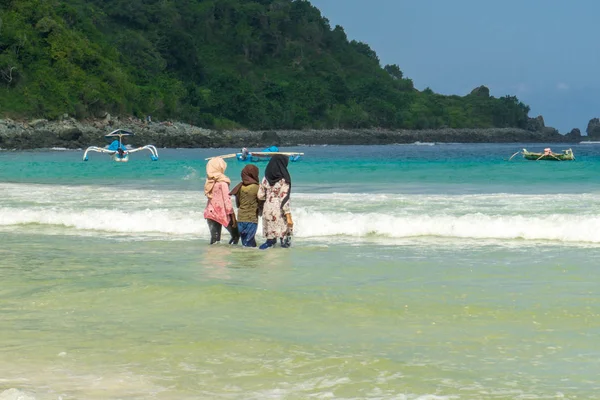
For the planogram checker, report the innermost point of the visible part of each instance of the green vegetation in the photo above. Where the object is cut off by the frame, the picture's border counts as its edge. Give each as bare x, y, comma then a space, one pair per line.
259, 64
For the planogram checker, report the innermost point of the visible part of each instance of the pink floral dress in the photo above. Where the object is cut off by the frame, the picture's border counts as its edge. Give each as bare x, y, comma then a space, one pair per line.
274, 221
219, 206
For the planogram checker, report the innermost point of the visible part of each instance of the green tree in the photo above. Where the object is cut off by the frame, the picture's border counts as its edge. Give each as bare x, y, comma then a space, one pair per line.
261, 64
394, 71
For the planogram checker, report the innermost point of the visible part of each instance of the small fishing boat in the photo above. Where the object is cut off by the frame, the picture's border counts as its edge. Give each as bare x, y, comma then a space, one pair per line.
264, 155
546, 155
118, 150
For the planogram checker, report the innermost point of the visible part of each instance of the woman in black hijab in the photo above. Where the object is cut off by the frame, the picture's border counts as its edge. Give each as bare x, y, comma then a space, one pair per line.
275, 190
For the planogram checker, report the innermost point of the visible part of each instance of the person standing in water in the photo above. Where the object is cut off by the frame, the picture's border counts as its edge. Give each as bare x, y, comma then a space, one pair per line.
219, 211
275, 190
248, 205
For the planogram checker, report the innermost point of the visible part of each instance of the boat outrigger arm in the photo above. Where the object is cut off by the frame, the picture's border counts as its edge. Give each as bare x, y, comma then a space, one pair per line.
264, 155
118, 150
149, 147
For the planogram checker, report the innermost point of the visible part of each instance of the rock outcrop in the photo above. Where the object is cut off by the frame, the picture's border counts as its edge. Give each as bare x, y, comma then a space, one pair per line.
536, 124
481, 91
73, 134
593, 129
574, 135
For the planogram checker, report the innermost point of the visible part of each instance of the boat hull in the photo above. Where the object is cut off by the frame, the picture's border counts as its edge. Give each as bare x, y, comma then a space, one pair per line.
255, 158
118, 158
567, 156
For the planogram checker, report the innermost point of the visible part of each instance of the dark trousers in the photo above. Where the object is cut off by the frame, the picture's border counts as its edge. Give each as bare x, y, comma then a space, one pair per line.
215, 231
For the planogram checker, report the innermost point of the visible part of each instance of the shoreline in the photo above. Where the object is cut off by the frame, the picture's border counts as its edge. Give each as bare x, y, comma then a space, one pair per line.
73, 134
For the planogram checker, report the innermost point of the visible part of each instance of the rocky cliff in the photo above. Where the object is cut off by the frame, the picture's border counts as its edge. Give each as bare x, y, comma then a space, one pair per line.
73, 134
593, 129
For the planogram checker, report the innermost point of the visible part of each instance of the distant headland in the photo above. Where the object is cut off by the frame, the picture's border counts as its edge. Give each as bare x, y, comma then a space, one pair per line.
240, 70
238, 73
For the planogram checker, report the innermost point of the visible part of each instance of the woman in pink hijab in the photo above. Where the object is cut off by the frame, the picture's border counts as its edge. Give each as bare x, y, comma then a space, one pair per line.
219, 210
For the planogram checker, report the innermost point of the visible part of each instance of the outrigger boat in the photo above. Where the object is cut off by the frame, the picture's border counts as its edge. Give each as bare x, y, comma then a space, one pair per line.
264, 155
547, 155
118, 151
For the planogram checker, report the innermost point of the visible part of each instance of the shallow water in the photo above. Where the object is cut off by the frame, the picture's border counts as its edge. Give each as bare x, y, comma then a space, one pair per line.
416, 272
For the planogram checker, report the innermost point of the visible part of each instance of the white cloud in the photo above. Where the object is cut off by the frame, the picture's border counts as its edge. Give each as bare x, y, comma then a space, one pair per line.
562, 86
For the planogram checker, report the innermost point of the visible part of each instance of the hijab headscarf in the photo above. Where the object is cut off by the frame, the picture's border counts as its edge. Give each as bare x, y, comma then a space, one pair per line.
277, 170
249, 177
215, 172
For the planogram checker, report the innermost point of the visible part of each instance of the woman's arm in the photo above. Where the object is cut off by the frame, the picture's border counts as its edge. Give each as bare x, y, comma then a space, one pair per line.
286, 209
262, 194
285, 189
226, 198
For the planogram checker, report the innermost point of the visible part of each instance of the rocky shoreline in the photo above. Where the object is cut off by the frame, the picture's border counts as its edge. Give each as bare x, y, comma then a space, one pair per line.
73, 134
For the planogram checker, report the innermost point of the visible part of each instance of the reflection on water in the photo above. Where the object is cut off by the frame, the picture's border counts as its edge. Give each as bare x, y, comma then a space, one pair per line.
98, 318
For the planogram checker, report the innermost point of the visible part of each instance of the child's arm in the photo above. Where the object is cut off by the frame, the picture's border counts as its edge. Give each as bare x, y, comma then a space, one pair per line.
259, 211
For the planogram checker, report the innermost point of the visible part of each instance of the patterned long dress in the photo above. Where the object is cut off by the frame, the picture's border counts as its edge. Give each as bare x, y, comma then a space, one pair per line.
273, 218
219, 207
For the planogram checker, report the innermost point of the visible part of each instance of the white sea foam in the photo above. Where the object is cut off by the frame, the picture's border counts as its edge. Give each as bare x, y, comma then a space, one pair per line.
569, 218
475, 226
312, 224
143, 221
15, 394
192, 174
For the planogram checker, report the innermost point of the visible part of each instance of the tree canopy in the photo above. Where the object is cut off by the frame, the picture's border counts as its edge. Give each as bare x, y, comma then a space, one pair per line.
258, 64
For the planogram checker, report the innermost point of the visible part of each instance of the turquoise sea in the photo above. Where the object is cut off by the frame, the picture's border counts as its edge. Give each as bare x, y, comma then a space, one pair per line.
424, 271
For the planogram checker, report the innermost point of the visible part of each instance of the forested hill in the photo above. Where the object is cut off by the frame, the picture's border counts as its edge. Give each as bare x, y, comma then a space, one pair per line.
258, 64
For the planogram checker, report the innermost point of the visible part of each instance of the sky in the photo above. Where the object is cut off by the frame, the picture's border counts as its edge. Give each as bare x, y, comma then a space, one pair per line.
545, 52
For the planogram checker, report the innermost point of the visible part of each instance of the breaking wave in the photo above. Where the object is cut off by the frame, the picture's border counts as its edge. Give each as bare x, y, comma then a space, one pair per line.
567, 218
311, 224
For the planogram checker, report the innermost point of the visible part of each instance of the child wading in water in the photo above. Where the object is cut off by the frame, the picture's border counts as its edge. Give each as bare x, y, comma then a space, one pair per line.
275, 191
219, 211
249, 207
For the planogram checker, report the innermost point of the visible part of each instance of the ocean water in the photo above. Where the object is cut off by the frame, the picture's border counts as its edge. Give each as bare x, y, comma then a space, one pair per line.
429, 272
